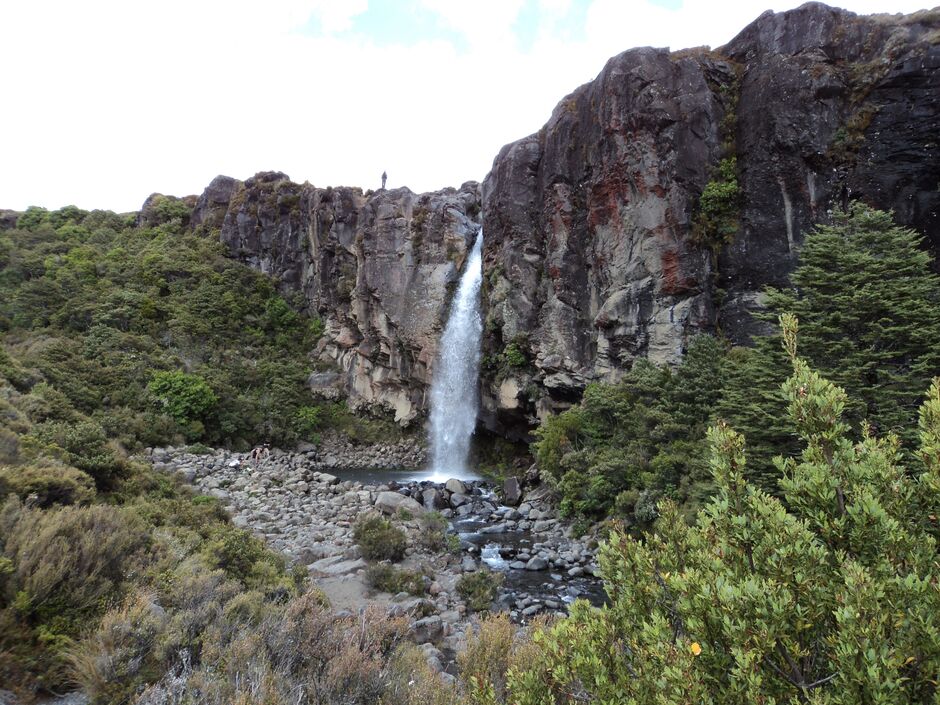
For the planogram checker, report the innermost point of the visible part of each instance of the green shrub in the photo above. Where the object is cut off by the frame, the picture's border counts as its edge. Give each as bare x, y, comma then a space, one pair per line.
47, 483
243, 557
185, 397
641, 438
70, 561
112, 663
85, 446
716, 220
479, 589
388, 578
379, 539
828, 596
308, 422
435, 535
513, 355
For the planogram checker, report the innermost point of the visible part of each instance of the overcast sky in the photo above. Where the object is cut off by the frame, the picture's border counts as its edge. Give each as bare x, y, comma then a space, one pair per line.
107, 102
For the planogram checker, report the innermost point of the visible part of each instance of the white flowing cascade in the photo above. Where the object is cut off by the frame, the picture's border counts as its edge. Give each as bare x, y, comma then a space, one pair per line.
454, 395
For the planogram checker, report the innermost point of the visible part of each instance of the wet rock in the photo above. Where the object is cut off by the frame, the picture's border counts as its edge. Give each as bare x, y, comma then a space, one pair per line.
433, 498
455, 486
458, 500
537, 563
512, 491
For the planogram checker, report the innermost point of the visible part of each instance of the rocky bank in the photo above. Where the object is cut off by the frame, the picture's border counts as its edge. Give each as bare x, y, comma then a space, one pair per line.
308, 514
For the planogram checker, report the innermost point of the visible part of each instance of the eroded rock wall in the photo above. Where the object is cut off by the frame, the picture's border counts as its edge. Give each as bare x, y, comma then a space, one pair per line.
376, 268
592, 255
590, 258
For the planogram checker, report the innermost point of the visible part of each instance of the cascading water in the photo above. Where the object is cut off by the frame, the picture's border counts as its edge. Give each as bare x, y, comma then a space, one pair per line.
454, 396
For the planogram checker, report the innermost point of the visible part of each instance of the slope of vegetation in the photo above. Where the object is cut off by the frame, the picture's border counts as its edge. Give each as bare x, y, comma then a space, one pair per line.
829, 595
116, 337
869, 306
151, 332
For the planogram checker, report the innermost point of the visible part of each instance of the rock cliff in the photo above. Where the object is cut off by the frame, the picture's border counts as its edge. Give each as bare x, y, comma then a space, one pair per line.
375, 268
599, 247
594, 251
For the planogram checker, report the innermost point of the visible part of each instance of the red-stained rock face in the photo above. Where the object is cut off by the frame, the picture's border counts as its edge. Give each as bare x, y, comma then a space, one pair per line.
818, 105
588, 261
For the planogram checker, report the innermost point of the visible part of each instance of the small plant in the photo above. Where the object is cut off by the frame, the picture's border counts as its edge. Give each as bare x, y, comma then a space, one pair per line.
435, 535
479, 589
308, 422
388, 578
379, 539
716, 221
513, 355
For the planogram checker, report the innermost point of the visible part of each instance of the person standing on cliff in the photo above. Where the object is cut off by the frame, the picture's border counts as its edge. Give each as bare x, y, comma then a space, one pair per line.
384, 177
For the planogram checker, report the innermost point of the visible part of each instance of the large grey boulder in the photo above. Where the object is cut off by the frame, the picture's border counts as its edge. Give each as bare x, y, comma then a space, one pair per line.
391, 502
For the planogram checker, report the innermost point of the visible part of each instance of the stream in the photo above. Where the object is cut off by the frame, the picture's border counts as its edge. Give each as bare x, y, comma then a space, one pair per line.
496, 535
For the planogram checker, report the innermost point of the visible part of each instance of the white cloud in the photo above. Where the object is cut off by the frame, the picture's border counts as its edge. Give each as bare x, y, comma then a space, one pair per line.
106, 102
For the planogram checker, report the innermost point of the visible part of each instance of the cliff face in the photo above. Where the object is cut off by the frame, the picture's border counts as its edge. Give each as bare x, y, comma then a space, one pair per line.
590, 250
375, 268
594, 254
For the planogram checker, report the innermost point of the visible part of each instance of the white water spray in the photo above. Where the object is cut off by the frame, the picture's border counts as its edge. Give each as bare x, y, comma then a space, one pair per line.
454, 396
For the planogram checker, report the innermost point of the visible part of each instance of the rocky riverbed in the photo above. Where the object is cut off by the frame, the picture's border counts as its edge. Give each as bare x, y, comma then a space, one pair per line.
292, 502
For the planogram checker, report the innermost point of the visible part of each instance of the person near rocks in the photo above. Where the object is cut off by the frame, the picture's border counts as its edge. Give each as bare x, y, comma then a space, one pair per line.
384, 177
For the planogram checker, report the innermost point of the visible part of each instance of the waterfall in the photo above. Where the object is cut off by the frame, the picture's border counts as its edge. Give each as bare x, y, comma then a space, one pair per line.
454, 396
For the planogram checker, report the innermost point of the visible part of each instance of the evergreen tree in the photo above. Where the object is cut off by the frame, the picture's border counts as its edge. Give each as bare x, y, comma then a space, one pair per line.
869, 309
625, 446
832, 598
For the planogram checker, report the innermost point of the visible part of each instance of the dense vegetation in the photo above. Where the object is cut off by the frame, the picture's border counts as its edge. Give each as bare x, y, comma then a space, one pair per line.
869, 310
153, 335
809, 577
627, 446
869, 307
829, 595
114, 337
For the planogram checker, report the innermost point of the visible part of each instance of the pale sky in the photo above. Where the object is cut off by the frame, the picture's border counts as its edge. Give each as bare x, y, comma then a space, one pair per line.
107, 102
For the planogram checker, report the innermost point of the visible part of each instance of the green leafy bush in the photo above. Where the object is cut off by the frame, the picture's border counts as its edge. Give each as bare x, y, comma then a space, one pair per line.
379, 539
716, 220
479, 589
243, 556
388, 578
828, 598
435, 535
85, 446
869, 309
185, 397
626, 445
46, 484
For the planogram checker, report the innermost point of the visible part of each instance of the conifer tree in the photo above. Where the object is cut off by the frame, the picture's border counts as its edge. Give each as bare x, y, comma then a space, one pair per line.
869, 310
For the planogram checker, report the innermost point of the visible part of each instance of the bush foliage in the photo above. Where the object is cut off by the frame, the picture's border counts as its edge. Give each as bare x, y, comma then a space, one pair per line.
828, 595
379, 539
626, 446
151, 332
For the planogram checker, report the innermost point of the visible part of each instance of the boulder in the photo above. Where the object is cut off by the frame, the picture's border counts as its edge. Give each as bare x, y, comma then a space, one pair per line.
391, 502
512, 491
426, 630
455, 486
